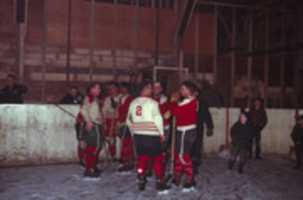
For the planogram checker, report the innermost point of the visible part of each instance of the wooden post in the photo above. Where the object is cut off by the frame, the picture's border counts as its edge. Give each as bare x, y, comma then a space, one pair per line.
157, 32
114, 50
180, 64
215, 56
20, 53
44, 50
233, 54
197, 45
282, 63
266, 59
250, 57
21, 33
92, 39
136, 28
68, 40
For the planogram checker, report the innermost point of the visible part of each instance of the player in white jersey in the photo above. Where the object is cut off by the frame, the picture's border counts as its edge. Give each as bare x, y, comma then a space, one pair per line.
146, 124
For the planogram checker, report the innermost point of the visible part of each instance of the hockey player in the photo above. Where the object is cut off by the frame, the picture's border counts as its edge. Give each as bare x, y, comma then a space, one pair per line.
186, 113
242, 133
297, 137
146, 123
79, 125
127, 153
91, 133
110, 113
162, 100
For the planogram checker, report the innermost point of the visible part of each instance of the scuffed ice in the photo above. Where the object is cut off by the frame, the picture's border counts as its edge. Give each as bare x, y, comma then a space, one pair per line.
271, 178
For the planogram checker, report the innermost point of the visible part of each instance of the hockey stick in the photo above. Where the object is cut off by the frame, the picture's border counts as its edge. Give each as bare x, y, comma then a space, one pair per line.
104, 142
172, 153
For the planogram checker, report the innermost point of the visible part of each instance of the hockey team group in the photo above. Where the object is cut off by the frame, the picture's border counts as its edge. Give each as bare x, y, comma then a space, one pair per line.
149, 131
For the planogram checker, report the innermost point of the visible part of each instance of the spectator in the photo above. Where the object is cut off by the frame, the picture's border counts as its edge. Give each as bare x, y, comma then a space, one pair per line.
13, 92
259, 120
297, 137
204, 121
211, 96
72, 97
241, 134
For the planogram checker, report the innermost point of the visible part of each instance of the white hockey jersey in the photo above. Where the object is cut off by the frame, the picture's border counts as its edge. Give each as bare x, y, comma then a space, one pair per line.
108, 110
144, 117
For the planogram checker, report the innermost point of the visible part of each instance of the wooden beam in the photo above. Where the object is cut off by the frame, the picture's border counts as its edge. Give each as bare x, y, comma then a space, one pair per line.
266, 60
215, 42
68, 40
282, 63
44, 49
233, 54
197, 44
92, 37
223, 4
21, 33
184, 19
157, 33
250, 58
114, 50
136, 30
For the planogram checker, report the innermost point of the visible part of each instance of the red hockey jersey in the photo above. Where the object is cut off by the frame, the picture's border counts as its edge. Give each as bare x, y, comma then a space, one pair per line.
186, 112
164, 107
123, 108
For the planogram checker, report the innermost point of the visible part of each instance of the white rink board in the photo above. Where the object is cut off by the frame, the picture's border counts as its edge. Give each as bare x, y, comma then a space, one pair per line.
43, 134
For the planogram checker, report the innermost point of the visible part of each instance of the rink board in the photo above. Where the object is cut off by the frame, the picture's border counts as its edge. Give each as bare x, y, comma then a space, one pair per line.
44, 134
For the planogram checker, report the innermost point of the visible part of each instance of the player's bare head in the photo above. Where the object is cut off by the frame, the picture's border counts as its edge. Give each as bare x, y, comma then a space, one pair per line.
11, 79
146, 88
187, 89
73, 90
124, 88
157, 88
300, 120
113, 88
94, 90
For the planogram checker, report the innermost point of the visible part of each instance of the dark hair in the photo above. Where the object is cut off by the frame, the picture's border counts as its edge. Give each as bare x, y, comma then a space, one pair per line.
246, 114
125, 85
299, 118
113, 83
145, 83
92, 85
191, 86
257, 99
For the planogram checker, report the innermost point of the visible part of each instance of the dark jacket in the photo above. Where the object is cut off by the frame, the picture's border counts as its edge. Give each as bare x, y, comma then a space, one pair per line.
258, 119
204, 116
242, 134
69, 99
13, 95
297, 134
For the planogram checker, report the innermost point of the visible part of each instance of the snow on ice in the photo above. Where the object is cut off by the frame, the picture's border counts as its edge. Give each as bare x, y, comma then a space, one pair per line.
271, 178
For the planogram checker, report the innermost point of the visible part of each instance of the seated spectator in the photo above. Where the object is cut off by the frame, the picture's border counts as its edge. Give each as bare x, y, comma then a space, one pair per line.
72, 97
13, 92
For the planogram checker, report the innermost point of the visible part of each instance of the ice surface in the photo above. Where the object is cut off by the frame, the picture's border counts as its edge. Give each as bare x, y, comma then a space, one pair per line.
271, 178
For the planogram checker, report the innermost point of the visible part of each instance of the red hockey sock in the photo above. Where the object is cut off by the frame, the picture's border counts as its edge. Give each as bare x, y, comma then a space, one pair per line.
142, 164
127, 154
159, 166
90, 158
